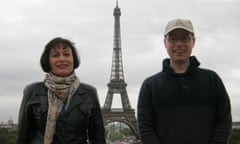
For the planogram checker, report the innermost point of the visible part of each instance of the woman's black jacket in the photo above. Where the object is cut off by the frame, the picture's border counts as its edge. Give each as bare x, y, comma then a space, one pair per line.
82, 123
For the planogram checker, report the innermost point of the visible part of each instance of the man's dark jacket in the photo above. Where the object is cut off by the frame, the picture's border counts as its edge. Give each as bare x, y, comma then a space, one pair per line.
82, 120
188, 108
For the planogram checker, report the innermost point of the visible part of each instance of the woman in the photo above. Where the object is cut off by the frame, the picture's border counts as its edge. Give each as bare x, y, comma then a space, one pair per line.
60, 110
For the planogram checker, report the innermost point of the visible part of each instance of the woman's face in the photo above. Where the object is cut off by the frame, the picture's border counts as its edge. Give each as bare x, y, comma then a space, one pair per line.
61, 60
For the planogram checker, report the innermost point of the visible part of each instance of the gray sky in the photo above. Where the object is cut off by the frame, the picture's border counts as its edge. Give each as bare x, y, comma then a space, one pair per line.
27, 25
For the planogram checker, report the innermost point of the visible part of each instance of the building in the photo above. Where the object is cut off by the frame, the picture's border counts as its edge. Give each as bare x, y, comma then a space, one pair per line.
9, 125
236, 125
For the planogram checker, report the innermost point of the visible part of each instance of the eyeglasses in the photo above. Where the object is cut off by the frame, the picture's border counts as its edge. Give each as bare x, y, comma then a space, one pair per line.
175, 39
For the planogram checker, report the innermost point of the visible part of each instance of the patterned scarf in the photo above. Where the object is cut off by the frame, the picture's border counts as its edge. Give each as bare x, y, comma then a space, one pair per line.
60, 92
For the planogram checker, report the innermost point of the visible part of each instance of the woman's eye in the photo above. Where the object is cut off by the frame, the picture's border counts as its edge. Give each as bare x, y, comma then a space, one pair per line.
54, 55
66, 54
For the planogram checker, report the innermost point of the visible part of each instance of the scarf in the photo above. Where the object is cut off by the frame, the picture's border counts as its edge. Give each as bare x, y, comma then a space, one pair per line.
60, 92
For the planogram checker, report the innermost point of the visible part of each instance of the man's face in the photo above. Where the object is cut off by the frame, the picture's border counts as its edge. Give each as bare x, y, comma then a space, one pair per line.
179, 44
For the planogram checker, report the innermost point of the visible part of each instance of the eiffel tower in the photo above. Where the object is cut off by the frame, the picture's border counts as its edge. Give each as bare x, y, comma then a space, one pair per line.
117, 85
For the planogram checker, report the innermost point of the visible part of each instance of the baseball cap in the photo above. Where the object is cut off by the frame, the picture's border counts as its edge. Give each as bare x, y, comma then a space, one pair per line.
179, 24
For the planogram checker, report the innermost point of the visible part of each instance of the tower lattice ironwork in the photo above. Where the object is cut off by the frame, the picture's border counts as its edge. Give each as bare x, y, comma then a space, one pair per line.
117, 85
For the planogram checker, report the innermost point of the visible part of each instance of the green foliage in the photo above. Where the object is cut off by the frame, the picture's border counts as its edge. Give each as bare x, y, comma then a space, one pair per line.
126, 132
115, 136
7, 136
120, 135
235, 136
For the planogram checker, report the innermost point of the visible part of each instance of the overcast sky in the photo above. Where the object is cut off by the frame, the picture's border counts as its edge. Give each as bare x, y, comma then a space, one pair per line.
27, 25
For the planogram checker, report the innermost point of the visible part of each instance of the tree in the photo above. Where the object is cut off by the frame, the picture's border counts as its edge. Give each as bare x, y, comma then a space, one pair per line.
235, 136
7, 136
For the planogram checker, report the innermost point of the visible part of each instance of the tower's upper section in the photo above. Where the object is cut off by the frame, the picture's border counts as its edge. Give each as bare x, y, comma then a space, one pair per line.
117, 66
117, 11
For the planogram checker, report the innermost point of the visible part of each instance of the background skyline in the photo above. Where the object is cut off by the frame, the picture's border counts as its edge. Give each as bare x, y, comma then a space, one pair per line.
27, 25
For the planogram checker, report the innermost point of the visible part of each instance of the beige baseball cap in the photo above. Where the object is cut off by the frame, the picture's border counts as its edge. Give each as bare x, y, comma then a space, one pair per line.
179, 24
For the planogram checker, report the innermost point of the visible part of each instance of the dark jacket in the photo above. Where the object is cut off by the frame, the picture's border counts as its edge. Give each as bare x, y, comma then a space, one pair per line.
81, 122
188, 108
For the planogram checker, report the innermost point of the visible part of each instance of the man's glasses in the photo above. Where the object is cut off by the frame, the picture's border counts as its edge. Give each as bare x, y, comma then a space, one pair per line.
175, 39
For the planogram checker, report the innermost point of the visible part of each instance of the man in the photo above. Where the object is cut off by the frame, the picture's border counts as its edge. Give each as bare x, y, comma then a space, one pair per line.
183, 104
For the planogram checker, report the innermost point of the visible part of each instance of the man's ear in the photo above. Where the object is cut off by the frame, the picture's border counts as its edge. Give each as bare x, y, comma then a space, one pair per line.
164, 41
194, 40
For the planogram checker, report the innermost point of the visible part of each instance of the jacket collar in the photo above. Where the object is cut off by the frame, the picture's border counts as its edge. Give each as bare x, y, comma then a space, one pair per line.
194, 64
77, 99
